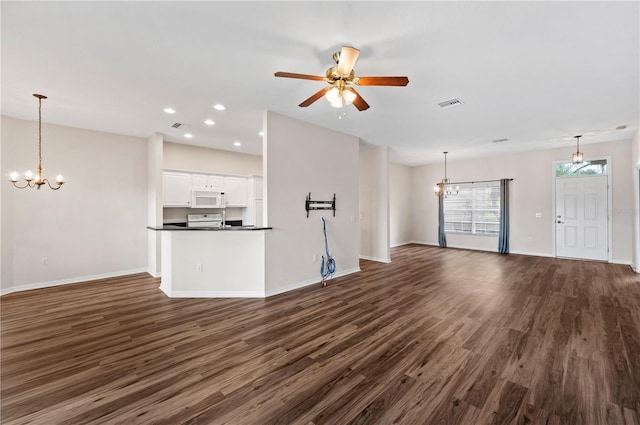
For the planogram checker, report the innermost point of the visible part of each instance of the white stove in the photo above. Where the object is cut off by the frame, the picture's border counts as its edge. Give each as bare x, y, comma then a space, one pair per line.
204, 220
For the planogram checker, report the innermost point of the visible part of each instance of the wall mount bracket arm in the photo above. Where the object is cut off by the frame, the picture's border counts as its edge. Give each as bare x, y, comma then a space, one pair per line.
310, 205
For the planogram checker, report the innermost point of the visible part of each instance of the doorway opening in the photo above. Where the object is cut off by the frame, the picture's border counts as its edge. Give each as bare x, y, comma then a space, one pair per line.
581, 210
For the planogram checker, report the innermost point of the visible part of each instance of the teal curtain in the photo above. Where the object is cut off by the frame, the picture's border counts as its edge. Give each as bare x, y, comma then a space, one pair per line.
503, 236
442, 236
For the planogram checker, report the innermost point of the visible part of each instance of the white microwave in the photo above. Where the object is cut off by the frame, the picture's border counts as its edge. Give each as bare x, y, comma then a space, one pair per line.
207, 199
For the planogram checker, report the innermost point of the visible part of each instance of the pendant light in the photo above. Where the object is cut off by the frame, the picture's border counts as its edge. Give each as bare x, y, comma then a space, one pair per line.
577, 157
29, 179
444, 187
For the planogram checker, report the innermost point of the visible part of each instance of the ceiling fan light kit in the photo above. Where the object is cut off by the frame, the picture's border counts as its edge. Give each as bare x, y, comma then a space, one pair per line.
340, 94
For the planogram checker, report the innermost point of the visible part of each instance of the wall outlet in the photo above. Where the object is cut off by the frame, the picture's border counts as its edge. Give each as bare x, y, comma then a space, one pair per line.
199, 267
45, 261
538, 215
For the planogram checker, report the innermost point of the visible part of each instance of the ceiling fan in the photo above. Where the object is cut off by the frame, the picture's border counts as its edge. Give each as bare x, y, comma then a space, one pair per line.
340, 77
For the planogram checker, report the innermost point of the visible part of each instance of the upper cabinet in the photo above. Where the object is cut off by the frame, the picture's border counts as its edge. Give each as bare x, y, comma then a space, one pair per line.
235, 191
207, 182
176, 189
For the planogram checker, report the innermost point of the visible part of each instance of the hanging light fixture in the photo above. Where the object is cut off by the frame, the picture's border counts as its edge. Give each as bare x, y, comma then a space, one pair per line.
37, 180
444, 187
338, 96
577, 157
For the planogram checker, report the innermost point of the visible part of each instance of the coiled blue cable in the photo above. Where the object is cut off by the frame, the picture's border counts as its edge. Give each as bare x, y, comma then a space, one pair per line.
329, 267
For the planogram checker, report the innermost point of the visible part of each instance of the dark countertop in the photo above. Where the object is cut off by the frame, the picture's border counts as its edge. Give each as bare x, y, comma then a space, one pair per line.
173, 227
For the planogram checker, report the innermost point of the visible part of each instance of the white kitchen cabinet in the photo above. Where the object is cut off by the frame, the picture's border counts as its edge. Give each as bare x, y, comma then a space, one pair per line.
235, 191
252, 215
176, 189
207, 182
257, 187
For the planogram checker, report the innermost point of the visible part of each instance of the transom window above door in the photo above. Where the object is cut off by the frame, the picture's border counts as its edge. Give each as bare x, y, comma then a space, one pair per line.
595, 167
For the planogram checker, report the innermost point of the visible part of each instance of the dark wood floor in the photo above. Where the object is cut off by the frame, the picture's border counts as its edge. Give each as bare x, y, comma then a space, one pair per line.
439, 336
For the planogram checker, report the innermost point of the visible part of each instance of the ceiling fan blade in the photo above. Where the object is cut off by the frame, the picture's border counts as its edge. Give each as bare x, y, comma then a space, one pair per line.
348, 57
358, 102
300, 76
317, 95
381, 81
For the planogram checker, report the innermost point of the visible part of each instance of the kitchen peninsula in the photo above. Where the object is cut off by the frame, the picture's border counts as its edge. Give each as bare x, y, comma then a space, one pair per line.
205, 262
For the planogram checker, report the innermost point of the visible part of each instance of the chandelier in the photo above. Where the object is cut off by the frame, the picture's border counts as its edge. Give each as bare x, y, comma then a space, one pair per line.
577, 157
29, 179
444, 187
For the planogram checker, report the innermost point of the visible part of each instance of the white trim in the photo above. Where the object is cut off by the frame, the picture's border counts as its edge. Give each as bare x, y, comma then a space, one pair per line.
153, 273
283, 289
622, 262
554, 246
533, 254
213, 294
399, 244
250, 294
80, 279
425, 243
378, 259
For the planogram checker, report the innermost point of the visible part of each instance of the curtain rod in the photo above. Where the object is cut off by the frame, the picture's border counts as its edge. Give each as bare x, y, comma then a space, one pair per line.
481, 181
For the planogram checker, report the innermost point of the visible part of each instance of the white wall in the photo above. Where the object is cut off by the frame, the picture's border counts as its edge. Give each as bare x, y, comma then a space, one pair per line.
94, 226
400, 204
531, 192
301, 158
635, 177
154, 202
196, 158
374, 203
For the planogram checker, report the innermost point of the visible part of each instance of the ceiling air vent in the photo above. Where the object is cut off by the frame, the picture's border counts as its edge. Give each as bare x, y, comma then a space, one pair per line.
450, 103
179, 125
500, 140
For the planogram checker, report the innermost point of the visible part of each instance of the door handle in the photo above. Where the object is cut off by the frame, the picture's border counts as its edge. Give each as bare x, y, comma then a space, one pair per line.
560, 222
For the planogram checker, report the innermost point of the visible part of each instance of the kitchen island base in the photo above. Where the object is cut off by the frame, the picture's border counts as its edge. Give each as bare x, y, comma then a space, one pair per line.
213, 264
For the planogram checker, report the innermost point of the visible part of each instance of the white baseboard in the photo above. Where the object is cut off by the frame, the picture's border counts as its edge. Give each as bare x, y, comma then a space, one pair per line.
425, 243
250, 294
393, 245
154, 273
213, 294
378, 259
623, 262
298, 285
41, 285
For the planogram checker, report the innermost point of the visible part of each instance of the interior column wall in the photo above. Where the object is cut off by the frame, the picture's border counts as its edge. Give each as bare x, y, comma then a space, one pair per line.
374, 204
302, 158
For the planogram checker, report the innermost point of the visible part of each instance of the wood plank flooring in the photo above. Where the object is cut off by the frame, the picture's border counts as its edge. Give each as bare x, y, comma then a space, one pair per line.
439, 336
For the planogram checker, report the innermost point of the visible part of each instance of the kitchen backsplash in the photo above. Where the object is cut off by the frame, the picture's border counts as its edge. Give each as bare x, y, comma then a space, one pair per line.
179, 215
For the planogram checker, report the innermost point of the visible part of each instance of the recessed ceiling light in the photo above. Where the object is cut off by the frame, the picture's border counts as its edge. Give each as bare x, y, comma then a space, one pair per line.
237, 144
188, 135
261, 133
170, 110
209, 122
219, 107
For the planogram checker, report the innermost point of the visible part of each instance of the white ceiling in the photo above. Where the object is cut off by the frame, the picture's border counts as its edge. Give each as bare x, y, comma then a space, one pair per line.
536, 73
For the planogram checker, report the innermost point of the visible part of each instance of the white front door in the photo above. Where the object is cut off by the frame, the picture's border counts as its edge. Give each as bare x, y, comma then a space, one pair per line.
581, 218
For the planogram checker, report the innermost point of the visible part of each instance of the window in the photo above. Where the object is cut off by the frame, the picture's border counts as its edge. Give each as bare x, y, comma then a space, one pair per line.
474, 210
588, 167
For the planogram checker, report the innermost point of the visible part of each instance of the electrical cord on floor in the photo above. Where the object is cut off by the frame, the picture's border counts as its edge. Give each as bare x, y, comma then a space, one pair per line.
328, 267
